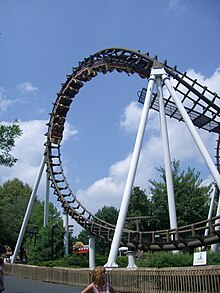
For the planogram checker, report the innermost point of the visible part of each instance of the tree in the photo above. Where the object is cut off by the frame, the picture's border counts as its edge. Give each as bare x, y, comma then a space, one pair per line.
8, 133
139, 210
14, 197
192, 199
83, 237
107, 214
49, 243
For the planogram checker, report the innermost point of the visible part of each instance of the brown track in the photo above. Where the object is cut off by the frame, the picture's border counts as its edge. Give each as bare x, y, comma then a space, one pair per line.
201, 104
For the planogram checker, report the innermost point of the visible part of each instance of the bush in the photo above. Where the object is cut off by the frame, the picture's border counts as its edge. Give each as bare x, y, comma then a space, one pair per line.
75, 261
165, 259
150, 259
213, 258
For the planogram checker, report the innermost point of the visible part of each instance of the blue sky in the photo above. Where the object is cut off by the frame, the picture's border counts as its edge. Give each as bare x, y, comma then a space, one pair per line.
42, 40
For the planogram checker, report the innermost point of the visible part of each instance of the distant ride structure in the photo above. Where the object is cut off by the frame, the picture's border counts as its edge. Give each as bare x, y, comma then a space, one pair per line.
185, 99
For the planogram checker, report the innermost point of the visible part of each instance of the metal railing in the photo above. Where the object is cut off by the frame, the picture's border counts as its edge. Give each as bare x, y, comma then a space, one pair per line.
141, 280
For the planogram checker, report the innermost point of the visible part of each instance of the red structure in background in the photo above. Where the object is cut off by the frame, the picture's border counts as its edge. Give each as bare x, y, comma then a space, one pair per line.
82, 250
79, 248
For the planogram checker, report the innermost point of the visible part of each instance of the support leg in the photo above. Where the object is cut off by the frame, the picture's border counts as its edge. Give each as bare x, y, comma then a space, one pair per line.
193, 131
211, 208
215, 247
167, 160
66, 226
28, 211
130, 179
46, 203
91, 251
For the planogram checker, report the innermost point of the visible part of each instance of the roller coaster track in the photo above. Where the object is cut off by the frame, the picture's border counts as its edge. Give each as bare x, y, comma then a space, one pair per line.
201, 104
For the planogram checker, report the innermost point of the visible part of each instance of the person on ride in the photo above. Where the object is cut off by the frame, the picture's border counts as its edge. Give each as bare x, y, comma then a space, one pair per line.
99, 283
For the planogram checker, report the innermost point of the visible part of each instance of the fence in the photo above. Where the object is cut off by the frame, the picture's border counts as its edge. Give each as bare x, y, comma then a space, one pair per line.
204, 279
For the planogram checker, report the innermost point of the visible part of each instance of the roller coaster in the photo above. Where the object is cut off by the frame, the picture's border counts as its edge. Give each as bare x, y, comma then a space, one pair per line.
203, 108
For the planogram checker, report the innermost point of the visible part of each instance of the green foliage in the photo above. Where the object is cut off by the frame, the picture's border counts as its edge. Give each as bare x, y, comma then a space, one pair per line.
14, 197
8, 133
150, 260
166, 259
48, 246
169, 259
83, 237
139, 207
213, 258
74, 261
79, 261
108, 214
191, 198
39, 247
49, 242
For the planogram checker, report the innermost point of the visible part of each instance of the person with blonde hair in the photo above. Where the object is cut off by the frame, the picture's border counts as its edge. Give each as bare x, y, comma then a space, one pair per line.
99, 283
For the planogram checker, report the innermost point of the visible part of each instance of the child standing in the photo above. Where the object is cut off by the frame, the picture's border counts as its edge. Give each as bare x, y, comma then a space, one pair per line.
99, 283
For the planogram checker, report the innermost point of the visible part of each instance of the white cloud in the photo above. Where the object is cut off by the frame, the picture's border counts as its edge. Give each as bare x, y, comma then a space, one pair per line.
109, 190
27, 87
4, 102
131, 117
103, 192
212, 82
29, 150
176, 6
69, 131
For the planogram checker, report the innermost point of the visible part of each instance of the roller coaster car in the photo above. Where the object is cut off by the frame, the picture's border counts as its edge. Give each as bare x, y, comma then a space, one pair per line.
55, 136
64, 100
80, 248
86, 74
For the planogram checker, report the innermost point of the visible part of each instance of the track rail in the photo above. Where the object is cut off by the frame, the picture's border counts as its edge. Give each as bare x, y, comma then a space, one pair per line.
201, 104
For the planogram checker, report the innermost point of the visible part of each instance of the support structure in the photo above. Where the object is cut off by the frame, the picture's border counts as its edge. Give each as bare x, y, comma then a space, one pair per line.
46, 202
215, 247
131, 260
28, 211
159, 75
204, 114
211, 207
206, 156
166, 151
130, 179
91, 251
66, 229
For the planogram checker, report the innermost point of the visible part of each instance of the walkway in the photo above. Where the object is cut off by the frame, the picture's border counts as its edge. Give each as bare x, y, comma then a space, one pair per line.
19, 285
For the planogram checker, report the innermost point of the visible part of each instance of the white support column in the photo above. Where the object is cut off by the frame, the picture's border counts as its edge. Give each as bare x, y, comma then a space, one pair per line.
167, 160
65, 236
192, 130
215, 247
46, 202
91, 251
211, 208
131, 260
130, 179
28, 211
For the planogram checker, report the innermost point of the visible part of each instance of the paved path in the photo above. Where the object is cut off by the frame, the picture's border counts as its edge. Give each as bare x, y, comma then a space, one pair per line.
20, 285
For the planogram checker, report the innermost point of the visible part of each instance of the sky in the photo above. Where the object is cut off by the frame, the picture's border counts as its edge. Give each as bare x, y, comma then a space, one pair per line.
40, 42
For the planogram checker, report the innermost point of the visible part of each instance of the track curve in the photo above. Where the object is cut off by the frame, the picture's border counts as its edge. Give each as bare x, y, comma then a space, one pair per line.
201, 104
